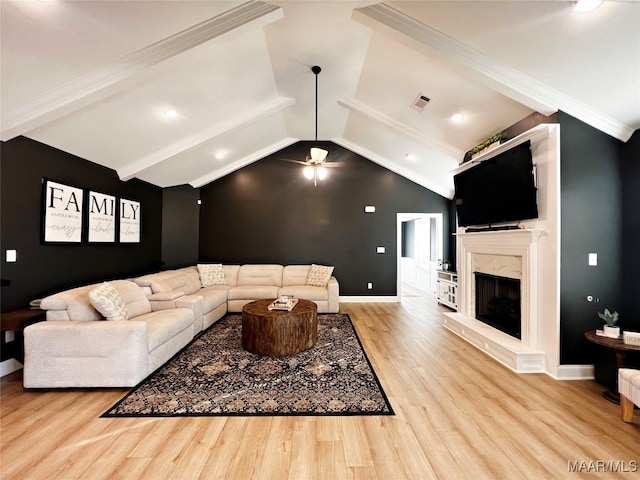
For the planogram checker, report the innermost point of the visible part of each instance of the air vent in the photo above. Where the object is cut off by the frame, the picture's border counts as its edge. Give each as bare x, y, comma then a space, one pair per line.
420, 102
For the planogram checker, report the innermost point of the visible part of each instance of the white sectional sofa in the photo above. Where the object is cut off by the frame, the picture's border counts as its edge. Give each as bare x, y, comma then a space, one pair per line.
76, 347
238, 285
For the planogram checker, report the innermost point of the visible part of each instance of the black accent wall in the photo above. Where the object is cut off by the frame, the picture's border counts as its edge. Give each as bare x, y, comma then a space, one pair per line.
180, 226
631, 231
268, 212
43, 269
599, 185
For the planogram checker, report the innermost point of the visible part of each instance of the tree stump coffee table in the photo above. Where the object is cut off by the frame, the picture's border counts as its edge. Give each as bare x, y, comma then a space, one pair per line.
277, 332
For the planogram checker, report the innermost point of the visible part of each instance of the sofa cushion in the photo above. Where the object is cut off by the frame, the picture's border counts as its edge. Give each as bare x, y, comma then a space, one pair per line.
211, 274
213, 297
134, 297
73, 304
252, 292
108, 302
260, 275
231, 274
307, 292
295, 275
319, 275
183, 280
163, 325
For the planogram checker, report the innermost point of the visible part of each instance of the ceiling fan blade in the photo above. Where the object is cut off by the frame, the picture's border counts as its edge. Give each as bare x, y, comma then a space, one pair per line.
334, 164
294, 161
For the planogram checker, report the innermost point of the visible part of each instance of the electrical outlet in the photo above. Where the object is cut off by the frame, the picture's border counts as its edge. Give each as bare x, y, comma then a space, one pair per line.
369, 285
593, 259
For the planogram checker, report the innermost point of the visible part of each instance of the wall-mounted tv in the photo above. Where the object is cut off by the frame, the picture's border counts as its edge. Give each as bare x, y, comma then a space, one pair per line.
498, 190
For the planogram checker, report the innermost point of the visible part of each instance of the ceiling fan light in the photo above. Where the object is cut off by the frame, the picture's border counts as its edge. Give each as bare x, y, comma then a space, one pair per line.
318, 154
322, 173
308, 172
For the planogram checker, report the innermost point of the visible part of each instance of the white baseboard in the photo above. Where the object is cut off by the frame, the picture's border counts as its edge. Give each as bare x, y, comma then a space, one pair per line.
9, 366
575, 372
372, 299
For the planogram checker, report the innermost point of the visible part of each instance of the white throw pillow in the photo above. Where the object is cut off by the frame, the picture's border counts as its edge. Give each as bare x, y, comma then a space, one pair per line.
319, 275
108, 302
211, 274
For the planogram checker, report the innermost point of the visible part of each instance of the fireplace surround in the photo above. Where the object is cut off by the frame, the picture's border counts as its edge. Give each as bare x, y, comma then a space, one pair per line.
511, 254
530, 253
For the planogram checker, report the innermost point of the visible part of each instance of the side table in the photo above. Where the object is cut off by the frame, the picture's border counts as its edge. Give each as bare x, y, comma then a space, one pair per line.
17, 321
621, 349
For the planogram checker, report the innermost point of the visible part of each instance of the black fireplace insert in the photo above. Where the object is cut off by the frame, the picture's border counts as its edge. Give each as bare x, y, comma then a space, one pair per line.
498, 303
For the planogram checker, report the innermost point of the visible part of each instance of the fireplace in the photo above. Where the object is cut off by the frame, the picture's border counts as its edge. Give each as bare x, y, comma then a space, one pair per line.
497, 303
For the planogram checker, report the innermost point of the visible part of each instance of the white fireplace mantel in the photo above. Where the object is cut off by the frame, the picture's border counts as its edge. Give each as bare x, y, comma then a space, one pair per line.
515, 253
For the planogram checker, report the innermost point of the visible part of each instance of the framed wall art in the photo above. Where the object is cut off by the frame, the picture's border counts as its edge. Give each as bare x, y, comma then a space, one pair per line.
101, 218
129, 221
62, 212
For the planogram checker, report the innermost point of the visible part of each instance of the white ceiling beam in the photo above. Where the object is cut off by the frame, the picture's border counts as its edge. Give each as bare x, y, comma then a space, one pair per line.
360, 108
109, 79
394, 167
240, 121
505, 80
242, 162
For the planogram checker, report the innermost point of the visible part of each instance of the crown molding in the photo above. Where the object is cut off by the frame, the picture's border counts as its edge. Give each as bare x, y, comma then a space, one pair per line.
240, 121
108, 79
243, 162
503, 79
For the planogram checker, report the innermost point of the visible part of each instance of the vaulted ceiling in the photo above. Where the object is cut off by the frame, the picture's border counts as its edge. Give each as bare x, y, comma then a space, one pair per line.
96, 78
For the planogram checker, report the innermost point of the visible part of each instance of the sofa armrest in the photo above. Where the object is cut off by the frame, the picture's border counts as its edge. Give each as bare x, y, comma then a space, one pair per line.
333, 293
164, 300
85, 354
165, 296
194, 303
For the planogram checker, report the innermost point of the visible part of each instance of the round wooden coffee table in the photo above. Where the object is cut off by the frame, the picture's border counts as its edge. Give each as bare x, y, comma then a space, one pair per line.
276, 332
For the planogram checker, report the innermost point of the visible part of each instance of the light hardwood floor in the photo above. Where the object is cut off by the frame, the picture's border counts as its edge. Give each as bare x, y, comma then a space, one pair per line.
459, 415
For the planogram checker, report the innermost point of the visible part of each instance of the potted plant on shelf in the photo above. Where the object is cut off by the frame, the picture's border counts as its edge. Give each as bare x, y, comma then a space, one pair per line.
444, 264
610, 329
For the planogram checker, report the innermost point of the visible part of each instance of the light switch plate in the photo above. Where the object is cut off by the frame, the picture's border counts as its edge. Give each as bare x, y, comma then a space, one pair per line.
11, 256
380, 250
593, 259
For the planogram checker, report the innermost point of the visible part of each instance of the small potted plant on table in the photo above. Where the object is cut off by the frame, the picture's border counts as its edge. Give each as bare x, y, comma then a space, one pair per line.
444, 264
610, 329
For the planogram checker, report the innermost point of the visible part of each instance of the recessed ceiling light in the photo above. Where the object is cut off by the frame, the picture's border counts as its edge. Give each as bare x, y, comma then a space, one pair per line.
584, 6
457, 117
220, 155
409, 156
170, 113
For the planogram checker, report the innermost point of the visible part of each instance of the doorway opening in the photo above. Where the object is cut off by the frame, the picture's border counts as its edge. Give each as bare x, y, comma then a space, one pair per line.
420, 245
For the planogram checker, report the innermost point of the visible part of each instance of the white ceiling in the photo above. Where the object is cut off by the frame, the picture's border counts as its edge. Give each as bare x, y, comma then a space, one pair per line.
94, 78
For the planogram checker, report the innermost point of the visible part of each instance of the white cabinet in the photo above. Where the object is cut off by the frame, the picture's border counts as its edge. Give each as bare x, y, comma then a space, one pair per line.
447, 288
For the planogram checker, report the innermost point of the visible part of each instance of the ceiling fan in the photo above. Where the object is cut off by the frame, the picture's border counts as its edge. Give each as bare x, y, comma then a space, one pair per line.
315, 165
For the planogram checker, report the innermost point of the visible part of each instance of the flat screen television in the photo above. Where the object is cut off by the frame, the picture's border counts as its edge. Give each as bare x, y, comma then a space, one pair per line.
498, 190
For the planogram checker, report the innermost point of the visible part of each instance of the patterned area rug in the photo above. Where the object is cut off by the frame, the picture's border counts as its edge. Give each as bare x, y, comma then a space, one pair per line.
213, 375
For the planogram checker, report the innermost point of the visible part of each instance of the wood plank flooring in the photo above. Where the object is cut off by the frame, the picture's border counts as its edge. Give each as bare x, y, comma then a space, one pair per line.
459, 415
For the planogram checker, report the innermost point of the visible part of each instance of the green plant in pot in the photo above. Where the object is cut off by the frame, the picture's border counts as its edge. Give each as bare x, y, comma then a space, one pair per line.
611, 328
444, 264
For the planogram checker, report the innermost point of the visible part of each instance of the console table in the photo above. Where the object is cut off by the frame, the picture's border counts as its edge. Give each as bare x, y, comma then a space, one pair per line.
447, 288
621, 350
